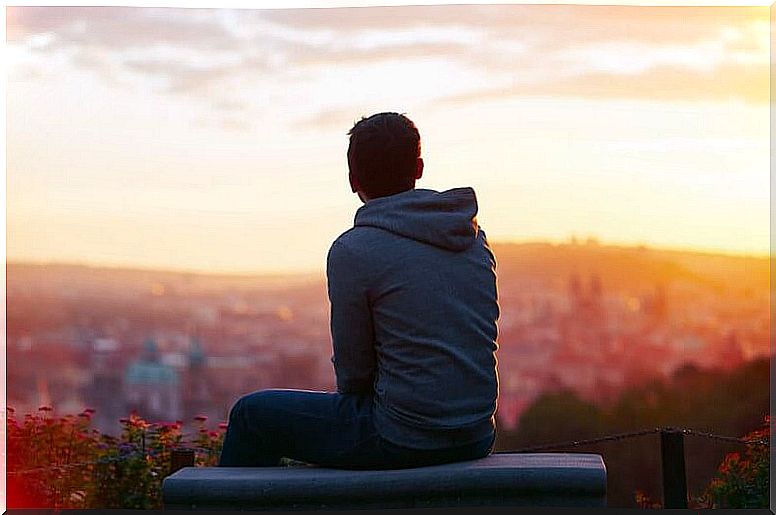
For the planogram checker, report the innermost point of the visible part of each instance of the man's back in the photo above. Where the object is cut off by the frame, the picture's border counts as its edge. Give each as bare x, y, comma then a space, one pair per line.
414, 310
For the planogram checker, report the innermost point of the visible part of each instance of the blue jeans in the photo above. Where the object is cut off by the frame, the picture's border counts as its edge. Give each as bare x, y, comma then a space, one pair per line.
327, 429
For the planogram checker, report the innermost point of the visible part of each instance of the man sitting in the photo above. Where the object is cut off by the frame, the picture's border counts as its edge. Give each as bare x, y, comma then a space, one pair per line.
412, 287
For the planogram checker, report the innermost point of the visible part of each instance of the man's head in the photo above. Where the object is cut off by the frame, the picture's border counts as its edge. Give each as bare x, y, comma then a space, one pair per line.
384, 156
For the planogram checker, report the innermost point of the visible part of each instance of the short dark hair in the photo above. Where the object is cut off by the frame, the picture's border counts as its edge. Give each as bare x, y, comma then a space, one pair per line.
383, 153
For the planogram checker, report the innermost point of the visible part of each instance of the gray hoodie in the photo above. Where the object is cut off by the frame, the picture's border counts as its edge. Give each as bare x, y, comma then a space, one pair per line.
414, 307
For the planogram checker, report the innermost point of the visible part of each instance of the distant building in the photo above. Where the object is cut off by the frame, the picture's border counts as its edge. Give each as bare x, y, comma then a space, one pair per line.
584, 328
152, 388
104, 393
196, 391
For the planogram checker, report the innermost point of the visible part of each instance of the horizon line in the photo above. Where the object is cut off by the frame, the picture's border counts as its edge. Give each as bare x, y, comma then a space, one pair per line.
586, 241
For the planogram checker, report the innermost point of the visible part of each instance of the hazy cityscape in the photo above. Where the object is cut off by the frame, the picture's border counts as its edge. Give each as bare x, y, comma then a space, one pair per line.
579, 315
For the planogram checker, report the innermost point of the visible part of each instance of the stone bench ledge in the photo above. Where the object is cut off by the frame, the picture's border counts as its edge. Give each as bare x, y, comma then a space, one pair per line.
542, 479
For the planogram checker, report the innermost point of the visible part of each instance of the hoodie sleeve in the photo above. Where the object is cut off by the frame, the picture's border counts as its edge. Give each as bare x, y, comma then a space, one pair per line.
352, 331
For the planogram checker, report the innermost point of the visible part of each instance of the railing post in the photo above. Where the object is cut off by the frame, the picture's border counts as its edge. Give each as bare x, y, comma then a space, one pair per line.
674, 474
180, 458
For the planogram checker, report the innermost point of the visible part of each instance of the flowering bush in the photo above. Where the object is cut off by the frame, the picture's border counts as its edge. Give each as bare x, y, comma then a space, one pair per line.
644, 501
743, 481
62, 462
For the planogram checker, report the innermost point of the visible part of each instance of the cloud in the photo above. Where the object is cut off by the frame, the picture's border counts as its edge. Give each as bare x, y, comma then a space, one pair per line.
537, 46
191, 49
578, 50
182, 77
555, 25
119, 28
317, 56
664, 82
235, 124
339, 119
230, 105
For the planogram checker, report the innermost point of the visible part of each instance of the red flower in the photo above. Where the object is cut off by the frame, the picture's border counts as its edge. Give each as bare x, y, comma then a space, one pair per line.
222, 425
201, 418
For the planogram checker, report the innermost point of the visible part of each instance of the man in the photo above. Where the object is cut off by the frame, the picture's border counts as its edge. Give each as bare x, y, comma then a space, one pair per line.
412, 288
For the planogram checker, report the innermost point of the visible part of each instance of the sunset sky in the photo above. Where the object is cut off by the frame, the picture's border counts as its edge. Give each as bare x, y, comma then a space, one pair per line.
215, 140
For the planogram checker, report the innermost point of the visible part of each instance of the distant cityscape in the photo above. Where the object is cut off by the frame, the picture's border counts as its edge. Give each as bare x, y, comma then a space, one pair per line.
580, 315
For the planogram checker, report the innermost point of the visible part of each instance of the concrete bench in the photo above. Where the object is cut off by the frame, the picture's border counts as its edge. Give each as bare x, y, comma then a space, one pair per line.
545, 479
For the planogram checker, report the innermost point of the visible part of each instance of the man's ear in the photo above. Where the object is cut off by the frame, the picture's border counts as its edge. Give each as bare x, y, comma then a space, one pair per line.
419, 172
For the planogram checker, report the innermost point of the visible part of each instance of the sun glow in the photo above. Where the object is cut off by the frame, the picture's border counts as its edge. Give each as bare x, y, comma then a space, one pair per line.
221, 146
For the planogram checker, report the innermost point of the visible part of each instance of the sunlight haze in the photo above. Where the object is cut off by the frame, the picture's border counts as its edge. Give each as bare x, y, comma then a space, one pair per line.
215, 140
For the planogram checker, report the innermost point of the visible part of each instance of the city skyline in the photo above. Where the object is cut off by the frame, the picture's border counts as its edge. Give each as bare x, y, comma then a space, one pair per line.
214, 140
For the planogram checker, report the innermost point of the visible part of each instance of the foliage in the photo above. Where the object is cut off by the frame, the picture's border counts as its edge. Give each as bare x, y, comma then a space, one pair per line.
743, 481
707, 400
62, 462
539, 424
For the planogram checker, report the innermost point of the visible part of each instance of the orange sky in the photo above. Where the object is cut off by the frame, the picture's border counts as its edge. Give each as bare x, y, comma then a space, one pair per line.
214, 139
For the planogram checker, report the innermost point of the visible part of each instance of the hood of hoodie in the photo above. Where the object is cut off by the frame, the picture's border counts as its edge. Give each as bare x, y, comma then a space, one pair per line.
446, 219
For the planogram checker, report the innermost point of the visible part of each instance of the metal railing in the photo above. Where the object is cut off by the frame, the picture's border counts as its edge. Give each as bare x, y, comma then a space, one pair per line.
674, 475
